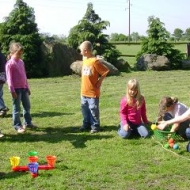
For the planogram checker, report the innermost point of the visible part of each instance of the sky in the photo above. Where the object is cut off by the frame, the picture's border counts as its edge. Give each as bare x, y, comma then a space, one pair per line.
59, 16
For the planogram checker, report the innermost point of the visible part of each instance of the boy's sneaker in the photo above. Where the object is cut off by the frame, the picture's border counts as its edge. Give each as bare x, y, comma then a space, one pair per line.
6, 109
30, 126
84, 128
20, 130
94, 131
1, 135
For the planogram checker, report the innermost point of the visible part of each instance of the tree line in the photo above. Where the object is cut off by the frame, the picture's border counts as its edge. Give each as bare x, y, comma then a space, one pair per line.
20, 26
178, 35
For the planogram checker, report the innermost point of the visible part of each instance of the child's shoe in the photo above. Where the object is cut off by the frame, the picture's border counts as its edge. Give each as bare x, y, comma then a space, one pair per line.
1, 135
94, 131
20, 130
31, 126
3, 111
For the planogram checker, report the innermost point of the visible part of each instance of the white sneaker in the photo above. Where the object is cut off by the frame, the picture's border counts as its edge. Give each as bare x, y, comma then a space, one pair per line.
20, 130
1, 135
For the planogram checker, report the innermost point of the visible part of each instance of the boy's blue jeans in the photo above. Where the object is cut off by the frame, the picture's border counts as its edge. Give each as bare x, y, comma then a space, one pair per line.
90, 111
140, 129
22, 96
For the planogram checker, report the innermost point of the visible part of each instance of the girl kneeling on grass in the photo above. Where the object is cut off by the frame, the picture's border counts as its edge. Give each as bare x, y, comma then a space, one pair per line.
133, 112
169, 108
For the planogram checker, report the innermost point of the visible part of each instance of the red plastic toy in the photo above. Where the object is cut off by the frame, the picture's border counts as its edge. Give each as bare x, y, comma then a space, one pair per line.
33, 165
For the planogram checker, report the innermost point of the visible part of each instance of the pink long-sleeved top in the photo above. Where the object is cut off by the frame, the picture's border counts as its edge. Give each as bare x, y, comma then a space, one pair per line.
16, 74
132, 113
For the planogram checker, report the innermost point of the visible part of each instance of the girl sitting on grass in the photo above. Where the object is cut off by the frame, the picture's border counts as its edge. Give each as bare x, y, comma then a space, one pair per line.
133, 112
169, 108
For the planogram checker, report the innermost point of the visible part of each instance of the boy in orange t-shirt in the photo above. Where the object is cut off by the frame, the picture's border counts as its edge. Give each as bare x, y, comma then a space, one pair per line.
93, 73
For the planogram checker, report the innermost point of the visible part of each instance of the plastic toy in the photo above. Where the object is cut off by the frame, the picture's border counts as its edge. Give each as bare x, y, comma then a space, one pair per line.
175, 146
153, 127
166, 145
33, 165
171, 140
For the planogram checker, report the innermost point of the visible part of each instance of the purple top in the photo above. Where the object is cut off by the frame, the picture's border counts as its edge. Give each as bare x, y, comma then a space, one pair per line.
16, 74
132, 113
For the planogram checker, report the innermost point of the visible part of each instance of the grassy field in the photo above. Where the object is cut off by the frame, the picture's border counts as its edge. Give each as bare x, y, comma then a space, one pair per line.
95, 161
133, 49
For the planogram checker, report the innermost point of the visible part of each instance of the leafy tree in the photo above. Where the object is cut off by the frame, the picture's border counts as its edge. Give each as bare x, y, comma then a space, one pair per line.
91, 28
54, 38
122, 37
178, 33
20, 26
156, 43
115, 37
187, 34
135, 36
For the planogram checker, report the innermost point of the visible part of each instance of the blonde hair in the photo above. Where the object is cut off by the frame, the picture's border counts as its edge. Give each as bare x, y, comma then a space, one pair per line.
87, 45
133, 84
166, 102
15, 47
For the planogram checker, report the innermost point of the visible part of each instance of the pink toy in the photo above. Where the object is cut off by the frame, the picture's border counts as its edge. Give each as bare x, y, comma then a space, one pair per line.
33, 165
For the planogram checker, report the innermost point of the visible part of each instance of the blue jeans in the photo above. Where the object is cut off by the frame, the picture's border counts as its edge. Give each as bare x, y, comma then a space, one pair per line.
2, 103
22, 96
140, 129
90, 111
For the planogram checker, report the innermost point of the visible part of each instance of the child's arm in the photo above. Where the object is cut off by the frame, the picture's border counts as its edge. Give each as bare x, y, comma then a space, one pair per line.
178, 119
99, 82
123, 112
174, 128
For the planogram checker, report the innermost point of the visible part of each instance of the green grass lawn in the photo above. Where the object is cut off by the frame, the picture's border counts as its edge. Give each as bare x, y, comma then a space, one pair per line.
95, 161
133, 49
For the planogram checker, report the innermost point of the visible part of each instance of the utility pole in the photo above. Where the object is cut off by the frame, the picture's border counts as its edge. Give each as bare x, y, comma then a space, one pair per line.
129, 21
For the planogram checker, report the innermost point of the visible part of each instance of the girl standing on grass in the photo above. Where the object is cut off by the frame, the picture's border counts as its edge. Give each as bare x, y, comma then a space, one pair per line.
169, 108
133, 112
19, 88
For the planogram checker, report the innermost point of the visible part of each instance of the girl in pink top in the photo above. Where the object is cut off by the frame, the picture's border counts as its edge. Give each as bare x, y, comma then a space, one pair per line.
19, 88
133, 112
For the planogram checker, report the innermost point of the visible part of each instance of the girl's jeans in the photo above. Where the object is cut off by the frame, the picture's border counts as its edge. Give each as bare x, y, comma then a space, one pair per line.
140, 129
90, 111
22, 96
2, 103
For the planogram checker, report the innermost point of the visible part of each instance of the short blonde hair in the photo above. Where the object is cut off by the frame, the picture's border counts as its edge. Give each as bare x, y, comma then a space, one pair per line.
14, 47
86, 45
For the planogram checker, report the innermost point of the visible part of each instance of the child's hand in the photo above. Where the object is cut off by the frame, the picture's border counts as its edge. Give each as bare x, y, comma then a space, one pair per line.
162, 125
126, 127
14, 95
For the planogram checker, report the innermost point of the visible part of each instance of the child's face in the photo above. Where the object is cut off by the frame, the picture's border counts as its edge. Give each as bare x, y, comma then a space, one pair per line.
132, 92
18, 54
170, 108
83, 50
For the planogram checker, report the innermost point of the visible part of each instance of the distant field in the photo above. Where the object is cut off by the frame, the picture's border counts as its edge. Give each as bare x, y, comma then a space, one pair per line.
133, 49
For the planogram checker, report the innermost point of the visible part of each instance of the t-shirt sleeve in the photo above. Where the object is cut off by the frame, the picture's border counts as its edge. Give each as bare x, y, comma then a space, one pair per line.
101, 68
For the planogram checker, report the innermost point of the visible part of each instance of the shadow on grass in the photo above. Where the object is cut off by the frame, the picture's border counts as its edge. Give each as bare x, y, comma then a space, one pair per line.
54, 135
10, 175
44, 114
49, 114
